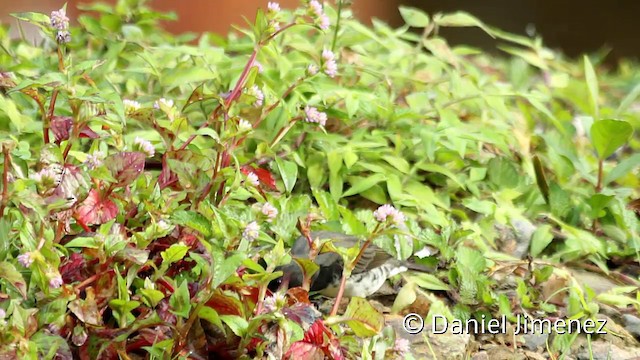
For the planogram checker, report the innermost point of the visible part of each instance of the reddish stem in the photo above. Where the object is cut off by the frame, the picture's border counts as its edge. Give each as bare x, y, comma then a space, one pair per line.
243, 77
334, 310
52, 106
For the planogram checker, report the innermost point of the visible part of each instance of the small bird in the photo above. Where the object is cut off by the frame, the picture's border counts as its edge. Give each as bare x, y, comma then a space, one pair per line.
372, 270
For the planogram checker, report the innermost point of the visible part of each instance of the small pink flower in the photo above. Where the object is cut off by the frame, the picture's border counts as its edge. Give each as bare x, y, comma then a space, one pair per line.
251, 231
163, 103
318, 13
312, 70
325, 22
47, 177
145, 146
59, 20
63, 37
312, 115
252, 178
130, 106
270, 211
55, 280
329, 66
258, 65
244, 125
402, 347
94, 160
273, 7
386, 211
258, 94
25, 259
273, 303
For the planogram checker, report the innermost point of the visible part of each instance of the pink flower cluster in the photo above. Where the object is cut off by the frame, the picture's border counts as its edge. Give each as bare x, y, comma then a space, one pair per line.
318, 13
60, 22
312, 115
258, 94
329, 65
387, 211
145, 146
270, 211
251, 231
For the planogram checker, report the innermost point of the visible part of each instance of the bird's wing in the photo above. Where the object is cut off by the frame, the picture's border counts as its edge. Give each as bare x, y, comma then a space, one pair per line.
372, 258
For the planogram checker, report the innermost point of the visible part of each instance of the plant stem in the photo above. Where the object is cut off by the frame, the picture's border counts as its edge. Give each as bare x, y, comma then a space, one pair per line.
49, 115
5, 179
343, 281
600, 166
335, 33
336, 305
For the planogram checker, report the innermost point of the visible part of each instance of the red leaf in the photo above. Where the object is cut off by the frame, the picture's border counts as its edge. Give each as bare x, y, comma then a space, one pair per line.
73, 268
61, 127
86, 132
303, 314
299, 295
304, 350
265, 176
225, 305
315, 333
95, 209
126, 166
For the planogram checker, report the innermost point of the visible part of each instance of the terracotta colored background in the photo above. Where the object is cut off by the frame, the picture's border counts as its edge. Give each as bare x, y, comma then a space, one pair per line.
199, 15
576, 26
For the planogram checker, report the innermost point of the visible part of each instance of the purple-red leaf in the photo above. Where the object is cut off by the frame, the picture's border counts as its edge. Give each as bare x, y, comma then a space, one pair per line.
95, 209
61, 127
86, 132
126, 166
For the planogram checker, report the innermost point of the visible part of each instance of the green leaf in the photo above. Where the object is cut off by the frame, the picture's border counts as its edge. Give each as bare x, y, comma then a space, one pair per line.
592, 85
541, 238
174, 253
363, 318
624, 167
361, 184
327, 205
503, 173
429, 282
180, 301
288, 172
598, 202
334, 161
152, 296
193, 220
471, 259
406, 296
223, 270
83, 242
461, 19
540, 178
414, 17
608, 135
9, 273
559, 200
237, 324
211, 316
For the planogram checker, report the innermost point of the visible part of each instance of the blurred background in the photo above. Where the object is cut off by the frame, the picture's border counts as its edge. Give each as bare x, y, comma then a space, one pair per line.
573, 26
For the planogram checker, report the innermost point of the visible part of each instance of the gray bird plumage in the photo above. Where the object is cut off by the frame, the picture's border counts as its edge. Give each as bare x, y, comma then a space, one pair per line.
372, 270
